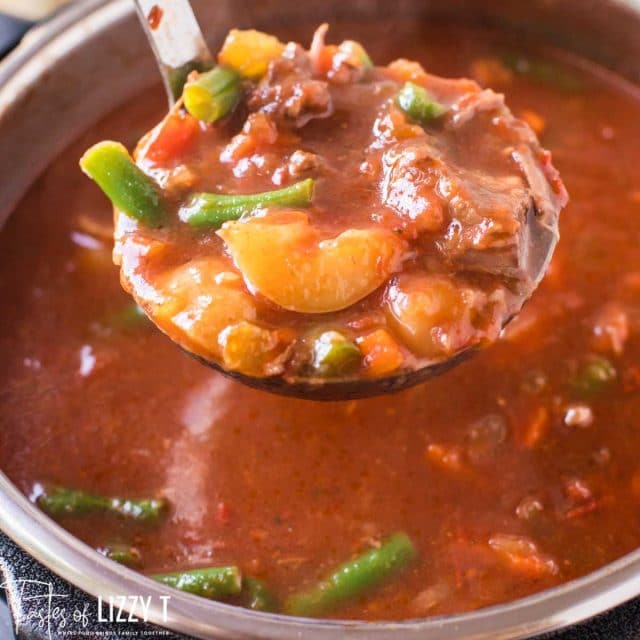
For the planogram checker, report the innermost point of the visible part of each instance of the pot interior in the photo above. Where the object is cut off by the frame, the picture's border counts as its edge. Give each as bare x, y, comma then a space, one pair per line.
98, 63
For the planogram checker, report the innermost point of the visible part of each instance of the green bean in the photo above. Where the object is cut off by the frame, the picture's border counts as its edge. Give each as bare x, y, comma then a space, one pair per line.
255, 595
418, 103
122, 554
129, 188
179, 76
333, 354
594, 376
213, 582
212, 95
353, 578
542, 71
358, 52
213, 210
61, 501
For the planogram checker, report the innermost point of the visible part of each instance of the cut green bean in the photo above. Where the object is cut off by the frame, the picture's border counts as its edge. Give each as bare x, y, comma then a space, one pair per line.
255, 595
122, 554
129, 188
333, 354
543, 71
354, 578
179, 76
213, 210
357, 51
419, 104
213, 582
212, 95
61, 501
594, 376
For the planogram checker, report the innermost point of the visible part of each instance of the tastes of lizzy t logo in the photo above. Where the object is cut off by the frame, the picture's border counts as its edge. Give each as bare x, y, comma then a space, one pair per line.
58, 615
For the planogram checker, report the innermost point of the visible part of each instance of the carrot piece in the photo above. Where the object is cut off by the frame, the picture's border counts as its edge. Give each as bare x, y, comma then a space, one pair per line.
534, 120
537, 428
382, 354
174, 138
491, 72
324, 61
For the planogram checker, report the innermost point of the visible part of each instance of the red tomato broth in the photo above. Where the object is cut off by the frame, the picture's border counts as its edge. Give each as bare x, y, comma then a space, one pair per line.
304, 486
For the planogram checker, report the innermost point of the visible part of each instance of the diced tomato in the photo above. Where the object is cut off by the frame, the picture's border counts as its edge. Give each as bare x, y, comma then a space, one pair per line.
174, 138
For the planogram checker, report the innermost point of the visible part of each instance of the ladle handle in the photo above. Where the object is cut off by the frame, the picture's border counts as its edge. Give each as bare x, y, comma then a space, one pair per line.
176, 40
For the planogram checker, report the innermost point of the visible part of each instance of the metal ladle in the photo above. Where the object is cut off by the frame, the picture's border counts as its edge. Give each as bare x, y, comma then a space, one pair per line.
176, 40
179, 47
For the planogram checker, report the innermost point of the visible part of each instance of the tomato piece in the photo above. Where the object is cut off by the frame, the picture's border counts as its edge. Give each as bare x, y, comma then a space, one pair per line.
174, 138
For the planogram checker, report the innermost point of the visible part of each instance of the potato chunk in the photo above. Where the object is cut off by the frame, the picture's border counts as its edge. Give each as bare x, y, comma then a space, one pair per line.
250, 52
286, 260
436, 316
201, 299
253, 350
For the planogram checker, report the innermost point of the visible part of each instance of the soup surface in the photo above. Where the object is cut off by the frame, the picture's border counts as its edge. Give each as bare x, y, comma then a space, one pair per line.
515, 472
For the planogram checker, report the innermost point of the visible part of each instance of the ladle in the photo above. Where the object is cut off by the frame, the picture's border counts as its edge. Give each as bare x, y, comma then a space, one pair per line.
179, 46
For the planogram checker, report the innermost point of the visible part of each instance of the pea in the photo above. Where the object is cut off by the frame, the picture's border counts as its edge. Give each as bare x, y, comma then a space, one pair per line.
596, 375
334, 354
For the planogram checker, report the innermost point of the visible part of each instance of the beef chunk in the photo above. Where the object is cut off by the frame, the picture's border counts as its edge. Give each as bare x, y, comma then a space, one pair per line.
289, 93
478, 182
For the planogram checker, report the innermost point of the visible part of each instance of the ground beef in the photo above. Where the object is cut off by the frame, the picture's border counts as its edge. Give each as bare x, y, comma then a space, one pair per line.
289, 92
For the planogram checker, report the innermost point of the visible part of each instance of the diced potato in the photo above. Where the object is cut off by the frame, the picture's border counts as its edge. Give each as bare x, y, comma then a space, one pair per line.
285, 259
249, 52
429, 313
202, 299
251, 349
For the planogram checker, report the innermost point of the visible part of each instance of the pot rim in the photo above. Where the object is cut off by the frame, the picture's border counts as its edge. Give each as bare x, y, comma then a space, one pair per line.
82, 566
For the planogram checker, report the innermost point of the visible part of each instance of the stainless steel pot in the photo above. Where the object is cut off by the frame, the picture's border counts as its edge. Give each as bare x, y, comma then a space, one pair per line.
93, 58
